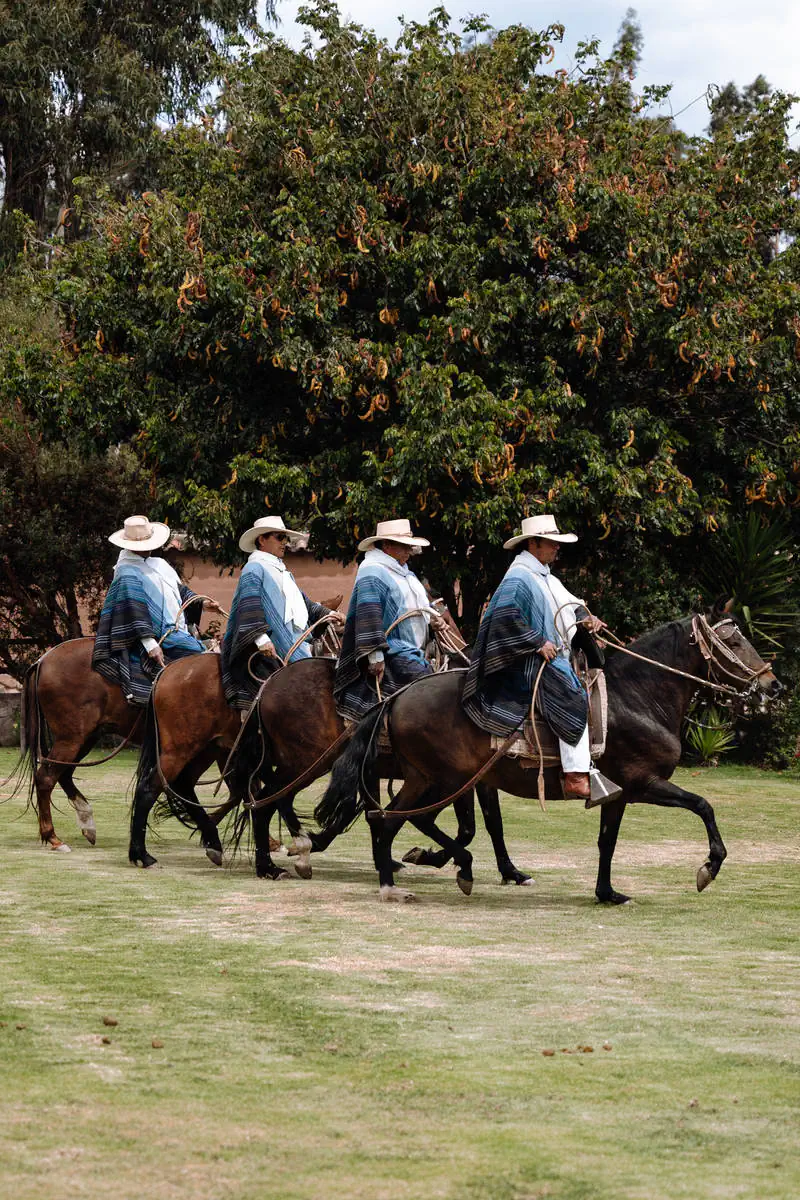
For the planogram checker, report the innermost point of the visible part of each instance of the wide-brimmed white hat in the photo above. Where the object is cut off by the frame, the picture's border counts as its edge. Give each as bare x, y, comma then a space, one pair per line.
140, 533
543, 526
394, 531
267, 525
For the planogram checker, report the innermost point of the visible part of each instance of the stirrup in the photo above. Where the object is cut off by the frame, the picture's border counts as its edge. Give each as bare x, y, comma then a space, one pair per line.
602, 789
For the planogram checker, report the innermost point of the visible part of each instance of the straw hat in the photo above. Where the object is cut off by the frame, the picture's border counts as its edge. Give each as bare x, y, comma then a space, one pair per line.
394, 531
267, 525
543, 526
140, 533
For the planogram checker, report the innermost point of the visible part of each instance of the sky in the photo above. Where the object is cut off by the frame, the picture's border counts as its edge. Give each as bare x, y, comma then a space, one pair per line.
688, 43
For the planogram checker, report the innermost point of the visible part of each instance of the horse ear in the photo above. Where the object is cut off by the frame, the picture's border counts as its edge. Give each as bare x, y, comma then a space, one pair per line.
721, 607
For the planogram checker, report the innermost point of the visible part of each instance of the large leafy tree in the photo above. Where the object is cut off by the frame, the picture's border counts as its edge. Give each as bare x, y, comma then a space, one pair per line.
57, 505
82, 82
446, 283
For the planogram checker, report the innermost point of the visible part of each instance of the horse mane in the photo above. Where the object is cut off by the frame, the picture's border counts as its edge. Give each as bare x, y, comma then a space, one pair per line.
661, 644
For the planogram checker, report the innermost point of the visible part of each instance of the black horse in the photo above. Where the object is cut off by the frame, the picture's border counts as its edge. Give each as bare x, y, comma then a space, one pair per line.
646, 708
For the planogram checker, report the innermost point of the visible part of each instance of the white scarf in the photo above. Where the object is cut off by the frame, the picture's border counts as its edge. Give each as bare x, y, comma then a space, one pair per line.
164, 578
294, 606
415, 629
555, 593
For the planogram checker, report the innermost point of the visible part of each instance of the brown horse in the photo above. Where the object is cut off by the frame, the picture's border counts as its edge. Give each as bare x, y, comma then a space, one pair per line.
67, 707
302, 735
62, 695
647, 703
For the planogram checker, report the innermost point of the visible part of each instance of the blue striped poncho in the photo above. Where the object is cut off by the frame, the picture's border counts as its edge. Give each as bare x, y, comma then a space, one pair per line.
505, 662
258, 607
134, 609
376, 602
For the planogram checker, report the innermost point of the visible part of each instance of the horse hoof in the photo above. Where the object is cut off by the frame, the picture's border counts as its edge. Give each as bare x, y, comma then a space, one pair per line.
274, 873
464, 884
56, 844
274, 845
614, 898
414, 856
517, 877
704, 877
303, 867
395, 895
214, 856
90, 835
145, 861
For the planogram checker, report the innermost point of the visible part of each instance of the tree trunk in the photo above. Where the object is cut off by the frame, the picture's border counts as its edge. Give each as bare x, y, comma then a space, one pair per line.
74, 628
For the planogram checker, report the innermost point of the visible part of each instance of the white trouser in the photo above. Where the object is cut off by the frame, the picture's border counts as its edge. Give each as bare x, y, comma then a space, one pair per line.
576, 758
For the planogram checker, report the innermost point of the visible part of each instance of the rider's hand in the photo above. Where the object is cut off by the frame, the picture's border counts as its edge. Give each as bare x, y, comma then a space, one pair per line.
376, 670
212, 606
593, 624
337, 619
548, 651
268, 650
156, 655
438, 622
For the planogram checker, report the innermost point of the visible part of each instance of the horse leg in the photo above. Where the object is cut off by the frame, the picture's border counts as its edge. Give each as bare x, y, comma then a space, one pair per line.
384, 830
148, 789
184, 785
465, 812
45, 778
462, 857
610, 820
669, 795
265, 867
83, 809
489, 801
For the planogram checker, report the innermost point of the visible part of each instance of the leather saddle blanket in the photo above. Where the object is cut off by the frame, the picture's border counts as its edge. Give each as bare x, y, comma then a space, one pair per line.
525, 749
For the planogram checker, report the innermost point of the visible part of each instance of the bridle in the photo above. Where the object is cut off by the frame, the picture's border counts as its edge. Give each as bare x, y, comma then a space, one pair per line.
721, 659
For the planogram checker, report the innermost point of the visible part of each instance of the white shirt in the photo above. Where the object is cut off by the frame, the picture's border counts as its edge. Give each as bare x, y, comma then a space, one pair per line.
562, 603
166, 580
415, 629
295, 612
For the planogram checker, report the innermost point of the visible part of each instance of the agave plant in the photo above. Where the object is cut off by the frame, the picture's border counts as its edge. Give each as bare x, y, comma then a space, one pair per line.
754, 564
710, 735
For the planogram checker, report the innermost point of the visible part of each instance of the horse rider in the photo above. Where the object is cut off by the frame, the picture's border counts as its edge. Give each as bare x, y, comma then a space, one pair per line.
372, 663
141, 626
269, 611
532, 617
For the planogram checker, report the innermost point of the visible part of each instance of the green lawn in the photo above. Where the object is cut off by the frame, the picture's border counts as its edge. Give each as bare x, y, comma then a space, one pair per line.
318, 1044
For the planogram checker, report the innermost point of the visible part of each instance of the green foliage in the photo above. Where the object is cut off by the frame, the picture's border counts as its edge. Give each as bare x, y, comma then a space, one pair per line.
709, 734
57, 506
82, 83
753, 563
443, 283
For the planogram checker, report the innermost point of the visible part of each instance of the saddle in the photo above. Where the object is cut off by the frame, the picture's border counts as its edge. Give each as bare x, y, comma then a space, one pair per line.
525, 746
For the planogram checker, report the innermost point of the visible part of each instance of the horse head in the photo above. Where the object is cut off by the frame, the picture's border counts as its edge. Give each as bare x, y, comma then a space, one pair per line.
731, 657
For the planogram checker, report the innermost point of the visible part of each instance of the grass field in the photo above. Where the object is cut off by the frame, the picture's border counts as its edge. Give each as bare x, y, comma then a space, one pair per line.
318, 1044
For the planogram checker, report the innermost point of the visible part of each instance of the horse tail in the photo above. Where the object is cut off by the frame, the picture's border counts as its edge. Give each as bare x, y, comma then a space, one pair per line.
148, 756
344, 796
34, 739
252, 759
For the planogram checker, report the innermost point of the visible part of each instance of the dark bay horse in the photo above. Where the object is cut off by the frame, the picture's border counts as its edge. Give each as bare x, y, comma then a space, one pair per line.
302, 735
646, 708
